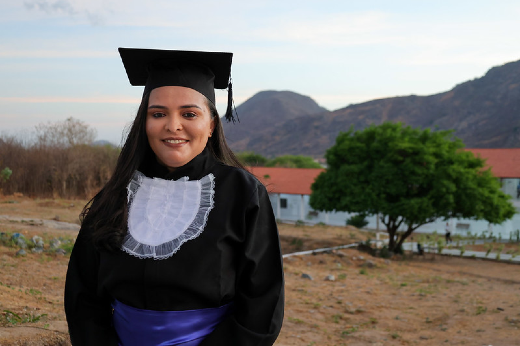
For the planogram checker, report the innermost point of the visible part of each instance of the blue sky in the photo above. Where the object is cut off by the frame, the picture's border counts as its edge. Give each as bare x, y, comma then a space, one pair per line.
58, 58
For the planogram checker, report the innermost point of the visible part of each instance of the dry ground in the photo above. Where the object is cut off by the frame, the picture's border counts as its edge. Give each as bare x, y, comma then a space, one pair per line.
427, 300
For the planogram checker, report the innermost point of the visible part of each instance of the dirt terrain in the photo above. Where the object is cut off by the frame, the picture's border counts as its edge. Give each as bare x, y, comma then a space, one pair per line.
419, 300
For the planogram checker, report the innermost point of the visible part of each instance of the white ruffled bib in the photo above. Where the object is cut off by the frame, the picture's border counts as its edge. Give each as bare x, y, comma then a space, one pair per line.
164, 214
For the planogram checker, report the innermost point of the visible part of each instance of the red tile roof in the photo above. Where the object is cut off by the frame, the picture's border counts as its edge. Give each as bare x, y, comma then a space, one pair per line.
296, 181
504, 163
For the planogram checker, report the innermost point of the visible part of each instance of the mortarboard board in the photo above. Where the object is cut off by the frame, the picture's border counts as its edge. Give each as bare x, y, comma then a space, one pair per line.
200, 71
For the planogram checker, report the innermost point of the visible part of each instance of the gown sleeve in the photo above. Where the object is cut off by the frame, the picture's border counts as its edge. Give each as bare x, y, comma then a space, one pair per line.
259, 298
89, 316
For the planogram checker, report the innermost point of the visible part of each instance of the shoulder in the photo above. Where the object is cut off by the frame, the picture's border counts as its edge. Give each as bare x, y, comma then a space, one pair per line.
237, 182
240, 176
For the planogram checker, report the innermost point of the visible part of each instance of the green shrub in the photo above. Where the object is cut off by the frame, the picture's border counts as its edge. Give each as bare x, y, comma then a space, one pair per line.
5, 174
358, 220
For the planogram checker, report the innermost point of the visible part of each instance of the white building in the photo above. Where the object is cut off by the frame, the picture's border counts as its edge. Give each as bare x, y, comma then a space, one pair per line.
289, 190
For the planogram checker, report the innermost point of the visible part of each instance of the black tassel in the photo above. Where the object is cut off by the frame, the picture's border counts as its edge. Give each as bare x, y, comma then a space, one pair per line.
230, 105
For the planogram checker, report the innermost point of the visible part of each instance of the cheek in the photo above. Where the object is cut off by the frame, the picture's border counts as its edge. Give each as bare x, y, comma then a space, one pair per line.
203, 131
150, 129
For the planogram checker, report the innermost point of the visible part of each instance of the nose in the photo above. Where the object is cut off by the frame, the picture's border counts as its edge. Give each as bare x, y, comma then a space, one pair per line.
173, 123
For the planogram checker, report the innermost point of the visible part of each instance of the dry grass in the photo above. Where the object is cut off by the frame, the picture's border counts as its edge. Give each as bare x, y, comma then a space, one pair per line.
428, 300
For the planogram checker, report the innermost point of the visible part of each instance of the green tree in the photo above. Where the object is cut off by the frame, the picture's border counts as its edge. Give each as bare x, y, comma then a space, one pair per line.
249, 158
293, 161
409, 177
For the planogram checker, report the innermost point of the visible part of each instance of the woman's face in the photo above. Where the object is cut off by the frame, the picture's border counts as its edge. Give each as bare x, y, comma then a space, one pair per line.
178, 125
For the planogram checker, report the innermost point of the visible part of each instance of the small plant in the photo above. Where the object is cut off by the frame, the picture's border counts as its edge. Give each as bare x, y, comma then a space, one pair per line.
336, 318
299, 223
363, 271
297, 243
395, 336
5, 174
440, 246
342, 276
358, 220
14, 318
349, 331
67, 245
295, 320
489, 248
462, 250
481, 310
500, 248
384, 252
33, 292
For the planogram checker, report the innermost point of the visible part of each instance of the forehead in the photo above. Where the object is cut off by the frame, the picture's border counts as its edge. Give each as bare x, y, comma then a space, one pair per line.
176, 95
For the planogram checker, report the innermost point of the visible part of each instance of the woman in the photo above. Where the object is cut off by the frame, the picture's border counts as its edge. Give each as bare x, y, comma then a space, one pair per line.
181, 245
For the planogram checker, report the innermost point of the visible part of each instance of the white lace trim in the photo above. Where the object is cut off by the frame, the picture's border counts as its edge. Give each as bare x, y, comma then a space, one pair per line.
164, 214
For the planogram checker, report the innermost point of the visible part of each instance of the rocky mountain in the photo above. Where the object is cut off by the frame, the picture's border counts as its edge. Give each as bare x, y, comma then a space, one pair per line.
484, 112
264, 112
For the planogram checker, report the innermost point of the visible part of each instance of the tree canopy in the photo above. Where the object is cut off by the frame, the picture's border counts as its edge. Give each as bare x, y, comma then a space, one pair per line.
67, 133
293, 161
408, 177
250, 158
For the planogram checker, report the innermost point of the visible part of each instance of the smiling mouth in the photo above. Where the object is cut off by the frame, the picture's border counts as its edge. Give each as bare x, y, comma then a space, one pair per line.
176, 141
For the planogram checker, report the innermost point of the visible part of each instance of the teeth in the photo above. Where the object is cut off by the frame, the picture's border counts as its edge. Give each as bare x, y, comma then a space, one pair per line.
175, 141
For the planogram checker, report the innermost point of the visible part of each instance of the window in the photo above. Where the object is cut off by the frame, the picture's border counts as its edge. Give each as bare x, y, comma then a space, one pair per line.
283, 203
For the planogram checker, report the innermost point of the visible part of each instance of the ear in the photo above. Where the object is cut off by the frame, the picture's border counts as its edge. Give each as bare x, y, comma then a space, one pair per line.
211, 127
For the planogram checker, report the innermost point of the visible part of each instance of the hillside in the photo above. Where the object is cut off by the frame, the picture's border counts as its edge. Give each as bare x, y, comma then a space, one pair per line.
484, 112
263, 112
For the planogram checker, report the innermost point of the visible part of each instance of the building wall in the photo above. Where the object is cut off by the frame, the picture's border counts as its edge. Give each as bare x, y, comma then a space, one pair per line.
509, 186
293, 212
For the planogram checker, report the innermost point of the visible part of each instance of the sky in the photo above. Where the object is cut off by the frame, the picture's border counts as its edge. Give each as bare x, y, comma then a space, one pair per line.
59, 59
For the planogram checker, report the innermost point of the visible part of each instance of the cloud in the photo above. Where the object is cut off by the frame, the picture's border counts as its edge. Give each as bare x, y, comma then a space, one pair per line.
332, 29
41, 54
60, 6
65, 7
107, 99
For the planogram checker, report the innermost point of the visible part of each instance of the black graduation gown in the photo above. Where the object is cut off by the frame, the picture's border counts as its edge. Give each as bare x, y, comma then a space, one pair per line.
236, 258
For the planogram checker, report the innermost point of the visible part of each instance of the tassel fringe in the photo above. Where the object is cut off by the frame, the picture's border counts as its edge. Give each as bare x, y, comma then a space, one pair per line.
231, 105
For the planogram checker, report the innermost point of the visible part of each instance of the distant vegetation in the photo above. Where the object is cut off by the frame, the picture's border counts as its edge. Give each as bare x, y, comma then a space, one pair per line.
62, 161
58, 162
250, 158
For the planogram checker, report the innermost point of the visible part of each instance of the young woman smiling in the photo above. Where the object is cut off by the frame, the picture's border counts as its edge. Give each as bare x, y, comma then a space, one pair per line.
181, 245
178, 125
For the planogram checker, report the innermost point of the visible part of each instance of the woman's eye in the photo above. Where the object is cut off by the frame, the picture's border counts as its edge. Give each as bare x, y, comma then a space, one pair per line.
158, 115
189, 115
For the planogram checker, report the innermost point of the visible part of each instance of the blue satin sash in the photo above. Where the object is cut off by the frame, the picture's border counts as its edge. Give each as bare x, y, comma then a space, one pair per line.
137, 327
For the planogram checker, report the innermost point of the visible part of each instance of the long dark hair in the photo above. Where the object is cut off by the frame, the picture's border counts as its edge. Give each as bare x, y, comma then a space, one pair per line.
106, 214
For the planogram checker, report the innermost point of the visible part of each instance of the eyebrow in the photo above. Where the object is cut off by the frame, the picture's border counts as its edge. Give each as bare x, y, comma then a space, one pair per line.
182, 107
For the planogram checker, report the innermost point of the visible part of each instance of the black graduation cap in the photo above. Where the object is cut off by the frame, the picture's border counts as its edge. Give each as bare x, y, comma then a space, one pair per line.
200, 71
